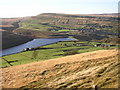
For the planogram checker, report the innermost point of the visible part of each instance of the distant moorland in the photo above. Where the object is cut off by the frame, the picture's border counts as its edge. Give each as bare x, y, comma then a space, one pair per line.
97, 27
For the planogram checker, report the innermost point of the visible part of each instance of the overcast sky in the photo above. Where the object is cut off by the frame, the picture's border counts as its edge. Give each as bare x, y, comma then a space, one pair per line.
21, 8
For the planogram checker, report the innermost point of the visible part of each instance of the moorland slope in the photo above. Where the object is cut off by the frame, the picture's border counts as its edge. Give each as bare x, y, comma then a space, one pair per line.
75, 71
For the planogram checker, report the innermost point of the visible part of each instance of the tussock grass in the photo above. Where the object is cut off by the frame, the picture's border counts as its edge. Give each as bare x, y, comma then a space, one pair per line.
104, 75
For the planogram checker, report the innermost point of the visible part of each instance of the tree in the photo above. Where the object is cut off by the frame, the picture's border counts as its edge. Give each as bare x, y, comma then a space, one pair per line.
35, 54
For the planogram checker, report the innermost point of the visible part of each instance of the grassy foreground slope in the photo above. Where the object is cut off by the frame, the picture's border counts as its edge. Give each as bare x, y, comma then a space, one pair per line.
76, 71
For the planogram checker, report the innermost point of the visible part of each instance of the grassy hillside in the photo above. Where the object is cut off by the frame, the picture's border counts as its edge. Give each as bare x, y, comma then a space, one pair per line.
99, 27
76, 71
9, 24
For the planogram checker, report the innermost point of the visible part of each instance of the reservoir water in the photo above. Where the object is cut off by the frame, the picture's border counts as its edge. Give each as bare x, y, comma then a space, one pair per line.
32, 44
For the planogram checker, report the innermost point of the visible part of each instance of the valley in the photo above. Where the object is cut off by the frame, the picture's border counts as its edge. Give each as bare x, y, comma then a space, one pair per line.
92, 58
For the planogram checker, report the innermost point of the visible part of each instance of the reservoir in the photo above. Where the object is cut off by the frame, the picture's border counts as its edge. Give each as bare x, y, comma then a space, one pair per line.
32, 44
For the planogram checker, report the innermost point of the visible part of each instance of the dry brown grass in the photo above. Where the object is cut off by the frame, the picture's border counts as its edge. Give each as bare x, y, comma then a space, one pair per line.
60, 72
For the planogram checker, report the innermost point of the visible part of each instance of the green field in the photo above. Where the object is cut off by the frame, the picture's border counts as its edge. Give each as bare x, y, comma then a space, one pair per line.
64, 30
51, 51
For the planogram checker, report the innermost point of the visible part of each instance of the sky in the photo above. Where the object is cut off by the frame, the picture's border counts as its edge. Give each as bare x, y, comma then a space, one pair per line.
21, 8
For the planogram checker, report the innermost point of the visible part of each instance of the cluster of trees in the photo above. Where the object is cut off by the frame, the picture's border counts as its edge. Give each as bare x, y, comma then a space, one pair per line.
9, 39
